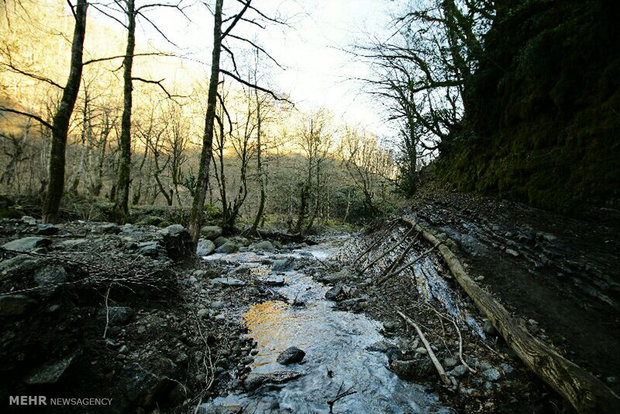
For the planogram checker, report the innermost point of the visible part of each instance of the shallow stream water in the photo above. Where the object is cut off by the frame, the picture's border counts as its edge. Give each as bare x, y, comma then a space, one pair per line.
336, 358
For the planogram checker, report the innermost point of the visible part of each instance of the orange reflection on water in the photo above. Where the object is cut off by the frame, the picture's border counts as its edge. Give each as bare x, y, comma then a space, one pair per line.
270, 325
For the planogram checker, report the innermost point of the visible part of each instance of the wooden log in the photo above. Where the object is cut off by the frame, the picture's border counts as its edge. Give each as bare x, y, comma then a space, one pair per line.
582, 389
431, 354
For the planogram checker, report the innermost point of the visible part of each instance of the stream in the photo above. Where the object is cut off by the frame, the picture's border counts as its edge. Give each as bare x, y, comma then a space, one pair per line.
336, 344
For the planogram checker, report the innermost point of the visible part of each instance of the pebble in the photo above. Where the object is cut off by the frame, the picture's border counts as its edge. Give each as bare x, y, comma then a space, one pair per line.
491, 374
512, 252
421, 351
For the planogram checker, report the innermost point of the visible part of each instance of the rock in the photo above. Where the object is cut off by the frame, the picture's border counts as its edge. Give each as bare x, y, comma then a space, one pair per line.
611, 380
227, 248
106, 228
21, 265
291, 355
458, 371
15, 305
49, 279
450, 362
27, 244
205, 247
491, 374
47, 229
211, 408
177, 242
29, 220
202, 312
412, 370
227, 281
379, 346
117, 315
507, 368
421, 351
391, 325
488, 328
264, 245
72, 243
272, 280
49, 373
149, 249
283, 265
220, 241
346, 273
253, 381
512, 252
211, 232
335, 293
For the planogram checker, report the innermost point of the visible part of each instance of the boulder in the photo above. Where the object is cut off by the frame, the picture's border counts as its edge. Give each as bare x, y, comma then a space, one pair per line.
22, 265
227, 281
253, 381
420, 369
335, 293
211, 232
227, 248
205, 247
283, 265
47, 229
177, 242
15, 305
291, 355
117, 315
264, 245
27, 244
29, 220
49, 279
107, 228
220, 241
49, 373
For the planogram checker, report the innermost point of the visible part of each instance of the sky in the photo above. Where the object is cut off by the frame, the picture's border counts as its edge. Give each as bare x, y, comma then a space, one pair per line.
312, 48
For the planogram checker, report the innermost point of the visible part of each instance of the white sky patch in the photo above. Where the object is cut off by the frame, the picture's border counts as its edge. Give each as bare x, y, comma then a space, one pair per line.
318, 70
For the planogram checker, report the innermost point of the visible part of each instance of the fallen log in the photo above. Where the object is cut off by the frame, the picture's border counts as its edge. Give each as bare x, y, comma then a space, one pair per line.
431, 354
582, 389
285, 237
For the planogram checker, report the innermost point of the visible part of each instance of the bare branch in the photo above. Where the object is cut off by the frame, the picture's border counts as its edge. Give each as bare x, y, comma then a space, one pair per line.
257, 47
238, 17
26, 114
12, 67
253, 86
88, 62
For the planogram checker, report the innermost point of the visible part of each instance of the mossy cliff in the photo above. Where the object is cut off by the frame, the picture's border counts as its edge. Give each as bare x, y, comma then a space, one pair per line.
543, 114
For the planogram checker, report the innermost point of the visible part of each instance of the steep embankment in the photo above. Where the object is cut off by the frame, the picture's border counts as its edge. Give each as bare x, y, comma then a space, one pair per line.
543, 109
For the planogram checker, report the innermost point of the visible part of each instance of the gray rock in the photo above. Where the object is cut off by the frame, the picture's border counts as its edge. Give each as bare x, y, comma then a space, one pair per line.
150, 249
205, 247
458, 371
106, 228
178, 243
211, 408
391, 325
227, 281
220, 241
253, 381
29, 220
49, 278
19, 265
291, 355
272, 280
117, 315
412, 370
202, 312
27, 244
227, 248
335, 293
283, 265
211, 232
379, 346
512, 252
264, 245
15, 305
344, 274
491, 374
450, 362
49, 373
507, 368
421, 351
72, 243
488, 328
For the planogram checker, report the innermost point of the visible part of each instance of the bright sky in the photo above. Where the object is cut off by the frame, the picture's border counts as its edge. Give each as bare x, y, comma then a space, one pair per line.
317, 70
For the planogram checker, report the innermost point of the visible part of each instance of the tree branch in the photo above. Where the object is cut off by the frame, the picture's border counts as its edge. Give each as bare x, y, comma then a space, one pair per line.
26, 114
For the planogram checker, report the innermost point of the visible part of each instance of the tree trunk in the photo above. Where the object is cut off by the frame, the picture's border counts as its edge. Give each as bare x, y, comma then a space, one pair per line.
196, 215
121, 206
62, 117
259, 167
